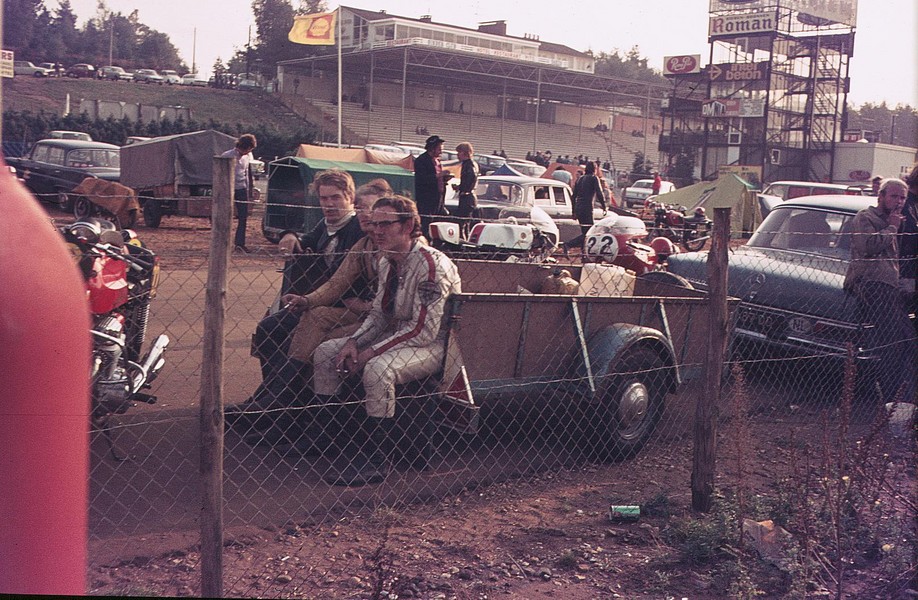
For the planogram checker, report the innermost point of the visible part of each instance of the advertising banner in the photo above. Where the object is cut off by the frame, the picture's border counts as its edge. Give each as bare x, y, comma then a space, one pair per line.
834, 11
6, 63
742, 24
733, 107
738, 71
682, 65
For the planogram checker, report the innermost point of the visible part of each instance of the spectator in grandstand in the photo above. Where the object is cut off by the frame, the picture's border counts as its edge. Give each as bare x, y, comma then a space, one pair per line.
243, 185
873, 279
465, 189
335, 234
586, 190
401, 340
430, 182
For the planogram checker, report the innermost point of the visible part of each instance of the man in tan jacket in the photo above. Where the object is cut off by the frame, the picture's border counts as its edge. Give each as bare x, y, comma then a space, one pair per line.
873, 279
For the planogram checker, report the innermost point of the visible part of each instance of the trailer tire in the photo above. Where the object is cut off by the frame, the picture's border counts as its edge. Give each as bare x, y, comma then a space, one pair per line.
83, 208
152, 213
630, 402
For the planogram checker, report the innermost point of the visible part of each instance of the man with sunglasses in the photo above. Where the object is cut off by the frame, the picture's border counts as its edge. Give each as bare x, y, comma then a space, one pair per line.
401, 340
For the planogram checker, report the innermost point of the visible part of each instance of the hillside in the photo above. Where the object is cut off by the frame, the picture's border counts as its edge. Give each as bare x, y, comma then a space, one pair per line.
225, 106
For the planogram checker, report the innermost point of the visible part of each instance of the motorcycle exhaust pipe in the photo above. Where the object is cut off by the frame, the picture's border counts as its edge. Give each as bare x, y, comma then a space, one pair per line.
153, 362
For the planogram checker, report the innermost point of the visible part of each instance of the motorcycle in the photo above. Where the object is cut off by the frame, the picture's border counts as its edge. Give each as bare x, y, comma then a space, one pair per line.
670, 221
121, 277
505, 239
618, 240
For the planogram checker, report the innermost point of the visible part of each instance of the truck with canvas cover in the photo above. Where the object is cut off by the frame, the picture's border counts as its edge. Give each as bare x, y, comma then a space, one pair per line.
173, 175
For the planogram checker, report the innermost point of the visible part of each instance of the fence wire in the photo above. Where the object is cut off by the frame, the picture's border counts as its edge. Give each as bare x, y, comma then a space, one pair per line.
596, 389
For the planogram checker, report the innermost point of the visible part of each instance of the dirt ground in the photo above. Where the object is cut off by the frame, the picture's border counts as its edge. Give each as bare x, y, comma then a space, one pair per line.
547, 535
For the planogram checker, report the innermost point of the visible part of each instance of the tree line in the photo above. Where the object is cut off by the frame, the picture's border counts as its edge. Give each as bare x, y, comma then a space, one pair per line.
35, 32
25, 127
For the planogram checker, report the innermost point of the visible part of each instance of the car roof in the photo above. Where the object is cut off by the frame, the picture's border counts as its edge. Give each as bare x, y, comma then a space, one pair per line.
838, 202
521, 180
69, 144
838, 186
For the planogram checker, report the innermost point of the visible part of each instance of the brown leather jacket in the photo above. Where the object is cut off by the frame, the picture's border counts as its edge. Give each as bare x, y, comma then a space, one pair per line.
874, 251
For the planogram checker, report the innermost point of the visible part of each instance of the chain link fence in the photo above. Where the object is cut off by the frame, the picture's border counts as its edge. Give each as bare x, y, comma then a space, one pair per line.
597, 389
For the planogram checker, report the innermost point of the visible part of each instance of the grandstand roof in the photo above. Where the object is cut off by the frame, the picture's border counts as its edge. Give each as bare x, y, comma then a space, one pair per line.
375, 15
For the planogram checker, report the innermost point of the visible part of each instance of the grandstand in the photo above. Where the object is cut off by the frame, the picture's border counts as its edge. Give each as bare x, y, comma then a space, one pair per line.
517, 94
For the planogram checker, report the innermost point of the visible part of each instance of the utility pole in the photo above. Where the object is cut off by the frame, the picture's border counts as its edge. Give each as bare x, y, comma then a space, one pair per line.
194, 47
111, 37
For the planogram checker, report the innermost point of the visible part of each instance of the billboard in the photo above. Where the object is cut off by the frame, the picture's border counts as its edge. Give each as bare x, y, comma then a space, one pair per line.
733, 107
682, 65
835, 11
742, 24
756, 71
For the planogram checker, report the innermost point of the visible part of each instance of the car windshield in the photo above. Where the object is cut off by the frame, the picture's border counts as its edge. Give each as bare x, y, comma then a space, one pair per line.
805, 230
644, 184
499, 191
86, 157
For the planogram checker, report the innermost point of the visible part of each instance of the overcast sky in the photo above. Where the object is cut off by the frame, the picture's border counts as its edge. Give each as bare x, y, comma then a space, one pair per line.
884, 65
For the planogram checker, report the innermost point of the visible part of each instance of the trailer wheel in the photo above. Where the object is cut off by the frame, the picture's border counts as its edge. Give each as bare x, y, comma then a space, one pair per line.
82, 208
152, 212
631, 401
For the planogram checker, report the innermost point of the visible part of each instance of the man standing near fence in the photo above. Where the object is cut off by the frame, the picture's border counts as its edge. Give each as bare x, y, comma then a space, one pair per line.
430, 182
243, 185
873, 280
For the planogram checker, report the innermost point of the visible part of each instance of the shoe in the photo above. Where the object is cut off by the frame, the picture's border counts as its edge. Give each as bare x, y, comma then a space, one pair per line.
365, 459
242, 249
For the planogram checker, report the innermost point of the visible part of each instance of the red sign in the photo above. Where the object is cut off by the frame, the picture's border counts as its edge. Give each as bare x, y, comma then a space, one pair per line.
682, 65
859, 175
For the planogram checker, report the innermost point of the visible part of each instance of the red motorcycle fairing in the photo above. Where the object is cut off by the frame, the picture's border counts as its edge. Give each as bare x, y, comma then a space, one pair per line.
107, 286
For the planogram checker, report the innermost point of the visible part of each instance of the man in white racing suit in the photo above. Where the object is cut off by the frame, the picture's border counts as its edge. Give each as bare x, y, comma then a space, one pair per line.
401, 340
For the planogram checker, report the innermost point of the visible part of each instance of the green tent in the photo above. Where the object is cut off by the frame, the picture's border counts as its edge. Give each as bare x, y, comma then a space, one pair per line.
292, 206
728, 191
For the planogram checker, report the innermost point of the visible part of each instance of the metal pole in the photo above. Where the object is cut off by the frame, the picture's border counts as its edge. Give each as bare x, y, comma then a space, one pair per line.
340, 83
646, 115
535, 129
503, 114
401, 122
370, 97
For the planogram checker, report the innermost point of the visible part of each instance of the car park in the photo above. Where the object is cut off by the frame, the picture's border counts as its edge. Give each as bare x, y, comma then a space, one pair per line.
195, 80
80, 70
148, 76
637, 193
24, 67
171, 77
54, 167
789, 276
113, 73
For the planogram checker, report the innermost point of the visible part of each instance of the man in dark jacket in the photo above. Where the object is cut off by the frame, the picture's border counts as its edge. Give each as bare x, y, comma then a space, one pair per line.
430, 182
332, 237
586, 189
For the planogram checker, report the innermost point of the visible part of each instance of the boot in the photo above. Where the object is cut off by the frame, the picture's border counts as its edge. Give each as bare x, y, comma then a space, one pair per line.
366, 458
261, 411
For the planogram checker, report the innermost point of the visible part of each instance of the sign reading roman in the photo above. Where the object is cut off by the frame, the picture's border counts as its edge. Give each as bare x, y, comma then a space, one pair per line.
738, 71
833, 11
682, 65
742, 24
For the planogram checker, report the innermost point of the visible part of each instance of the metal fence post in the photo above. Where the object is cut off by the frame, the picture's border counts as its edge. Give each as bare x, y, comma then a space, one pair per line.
211, 414
705, 449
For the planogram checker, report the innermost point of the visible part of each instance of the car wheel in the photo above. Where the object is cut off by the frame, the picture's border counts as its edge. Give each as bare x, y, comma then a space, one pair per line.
631, 398
152, 213
82, 208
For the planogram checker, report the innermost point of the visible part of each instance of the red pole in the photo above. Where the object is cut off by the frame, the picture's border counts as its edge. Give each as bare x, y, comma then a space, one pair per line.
44, 403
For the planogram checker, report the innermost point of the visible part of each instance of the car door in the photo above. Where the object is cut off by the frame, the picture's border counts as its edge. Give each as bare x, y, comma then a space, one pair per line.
38, 170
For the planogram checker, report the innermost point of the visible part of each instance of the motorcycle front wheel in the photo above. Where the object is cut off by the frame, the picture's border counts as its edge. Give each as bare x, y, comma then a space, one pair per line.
694, 244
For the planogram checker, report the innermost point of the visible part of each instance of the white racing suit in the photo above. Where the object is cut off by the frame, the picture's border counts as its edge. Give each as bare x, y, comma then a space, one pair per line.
408, 343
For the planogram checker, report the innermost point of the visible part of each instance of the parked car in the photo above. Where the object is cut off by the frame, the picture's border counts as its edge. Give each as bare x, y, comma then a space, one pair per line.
62, 134
779, 191
526, 167
80, 70
789, 277
24, 67
134, 139
54, 167
113, 73
193, 79
171, 77
248, 85
637, 193
488, 163
501, 196
408, 148
148, 76
54, 69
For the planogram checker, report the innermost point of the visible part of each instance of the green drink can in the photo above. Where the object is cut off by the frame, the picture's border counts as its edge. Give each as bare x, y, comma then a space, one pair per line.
624, 513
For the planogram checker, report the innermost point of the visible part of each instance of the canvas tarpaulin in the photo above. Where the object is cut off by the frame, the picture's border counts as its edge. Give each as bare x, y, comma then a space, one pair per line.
728, 191
355, 155
184, 159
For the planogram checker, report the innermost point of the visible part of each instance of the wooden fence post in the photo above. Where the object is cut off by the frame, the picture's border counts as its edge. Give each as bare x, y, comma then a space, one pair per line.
706, 414
211, 413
